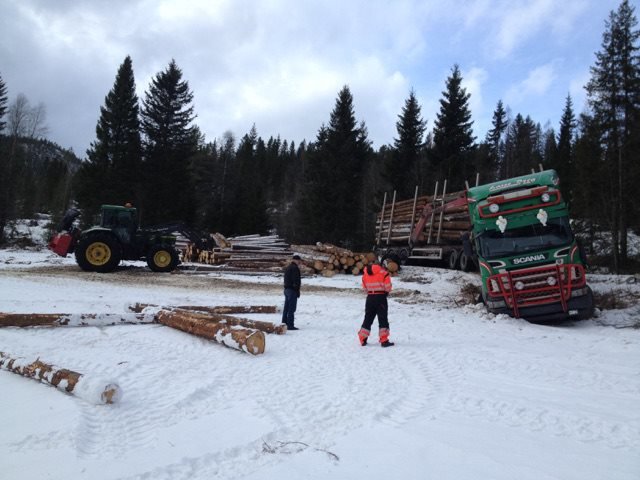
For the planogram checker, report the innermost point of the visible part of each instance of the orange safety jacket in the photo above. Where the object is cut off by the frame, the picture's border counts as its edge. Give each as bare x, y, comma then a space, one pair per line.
378, 282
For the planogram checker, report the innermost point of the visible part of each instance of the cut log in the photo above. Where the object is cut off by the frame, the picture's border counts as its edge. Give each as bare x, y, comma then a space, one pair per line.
219, 314
71, 319
223, 309
244, 339
96, 391
266, 327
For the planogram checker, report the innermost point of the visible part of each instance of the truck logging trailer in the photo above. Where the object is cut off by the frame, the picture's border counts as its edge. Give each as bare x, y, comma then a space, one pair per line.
516, 232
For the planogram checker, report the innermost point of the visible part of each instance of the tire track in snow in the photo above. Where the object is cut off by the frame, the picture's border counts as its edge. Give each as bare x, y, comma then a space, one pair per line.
557, 421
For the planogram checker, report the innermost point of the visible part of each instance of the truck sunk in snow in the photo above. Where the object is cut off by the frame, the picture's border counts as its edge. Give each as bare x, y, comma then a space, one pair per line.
515, 231
530, 262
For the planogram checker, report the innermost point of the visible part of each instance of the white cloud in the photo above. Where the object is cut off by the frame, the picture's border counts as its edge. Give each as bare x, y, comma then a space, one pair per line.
536, 84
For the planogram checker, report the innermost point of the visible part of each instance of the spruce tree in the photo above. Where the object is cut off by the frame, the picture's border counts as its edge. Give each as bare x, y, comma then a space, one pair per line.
496, 142
613, 93
112, 173
331, 207
169, 141
453, 134
402, 169
248, 208
564, 157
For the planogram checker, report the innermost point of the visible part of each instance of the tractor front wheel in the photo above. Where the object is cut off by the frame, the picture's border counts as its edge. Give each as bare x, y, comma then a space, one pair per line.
162, 258
98, 253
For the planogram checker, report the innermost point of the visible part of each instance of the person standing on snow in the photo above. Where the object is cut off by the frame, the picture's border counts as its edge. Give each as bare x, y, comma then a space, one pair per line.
291, 292
377, 282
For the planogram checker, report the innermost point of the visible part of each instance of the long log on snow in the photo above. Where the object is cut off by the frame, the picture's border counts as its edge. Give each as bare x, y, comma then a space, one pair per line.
223, 309
72, 319
93, 390
247, 340
266, 327
220, 314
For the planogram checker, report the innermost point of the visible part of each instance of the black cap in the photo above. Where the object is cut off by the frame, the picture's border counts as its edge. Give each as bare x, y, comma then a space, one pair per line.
296, 257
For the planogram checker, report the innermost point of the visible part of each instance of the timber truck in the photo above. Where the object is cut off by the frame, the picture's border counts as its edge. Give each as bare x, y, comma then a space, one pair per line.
118, 237
519, 237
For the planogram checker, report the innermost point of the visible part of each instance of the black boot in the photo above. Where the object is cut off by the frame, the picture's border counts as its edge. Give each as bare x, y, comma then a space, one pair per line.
387, 344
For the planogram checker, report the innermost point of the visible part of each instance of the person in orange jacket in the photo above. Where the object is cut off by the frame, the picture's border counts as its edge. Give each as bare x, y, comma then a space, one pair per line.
377, 282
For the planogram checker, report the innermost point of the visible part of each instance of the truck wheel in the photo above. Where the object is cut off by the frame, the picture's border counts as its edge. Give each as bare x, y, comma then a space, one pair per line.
587, 313
466, 262
162, 258
453, 262
98, 253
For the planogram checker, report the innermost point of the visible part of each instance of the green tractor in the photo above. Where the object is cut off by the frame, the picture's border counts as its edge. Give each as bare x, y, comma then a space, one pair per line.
102, 247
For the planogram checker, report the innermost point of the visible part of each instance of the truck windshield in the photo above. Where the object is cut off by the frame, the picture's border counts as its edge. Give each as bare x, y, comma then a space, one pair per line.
556, 233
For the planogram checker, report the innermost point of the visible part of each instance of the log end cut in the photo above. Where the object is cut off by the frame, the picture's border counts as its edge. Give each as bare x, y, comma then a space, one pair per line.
255, 343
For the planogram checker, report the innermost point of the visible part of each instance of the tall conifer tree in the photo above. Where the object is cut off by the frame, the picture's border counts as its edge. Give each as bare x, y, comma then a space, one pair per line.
170, 140
496, 141
112, 173
564, 157
331, 207
453, 135
402, 169
614, 96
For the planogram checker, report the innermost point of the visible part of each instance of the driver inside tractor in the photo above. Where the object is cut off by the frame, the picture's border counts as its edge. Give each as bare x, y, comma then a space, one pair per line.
122, 222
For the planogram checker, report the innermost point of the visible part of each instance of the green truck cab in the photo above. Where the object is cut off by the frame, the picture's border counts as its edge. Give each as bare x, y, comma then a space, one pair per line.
530, 262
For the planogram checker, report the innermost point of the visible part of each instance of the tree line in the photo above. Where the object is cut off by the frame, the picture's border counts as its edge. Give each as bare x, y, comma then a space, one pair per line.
151, 152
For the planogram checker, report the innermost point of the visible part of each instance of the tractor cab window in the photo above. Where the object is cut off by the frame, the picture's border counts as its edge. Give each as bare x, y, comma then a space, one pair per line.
556, 233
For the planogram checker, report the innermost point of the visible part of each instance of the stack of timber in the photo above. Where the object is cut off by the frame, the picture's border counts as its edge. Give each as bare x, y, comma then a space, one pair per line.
445, 223
328, 260
242, 253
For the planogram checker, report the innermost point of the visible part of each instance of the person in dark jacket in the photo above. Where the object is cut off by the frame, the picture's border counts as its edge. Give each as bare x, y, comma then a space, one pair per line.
291, 292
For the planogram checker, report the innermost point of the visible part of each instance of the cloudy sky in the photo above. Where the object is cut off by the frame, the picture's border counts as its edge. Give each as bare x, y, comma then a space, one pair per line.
279, 64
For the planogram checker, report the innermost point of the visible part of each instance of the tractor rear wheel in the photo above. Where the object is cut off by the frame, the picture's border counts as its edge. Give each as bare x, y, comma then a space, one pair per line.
162, 258
99, 252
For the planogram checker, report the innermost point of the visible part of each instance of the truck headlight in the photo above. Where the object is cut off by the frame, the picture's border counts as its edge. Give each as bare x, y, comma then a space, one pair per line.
551, 281
494, 208
519, 285
545, 197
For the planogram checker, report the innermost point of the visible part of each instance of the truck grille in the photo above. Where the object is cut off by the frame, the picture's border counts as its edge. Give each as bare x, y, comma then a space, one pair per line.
537, 285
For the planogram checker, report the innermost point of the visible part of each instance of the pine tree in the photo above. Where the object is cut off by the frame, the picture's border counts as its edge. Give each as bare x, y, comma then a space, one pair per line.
4, 102
613, 93
453, 135
112, 173
170, 140
402, 169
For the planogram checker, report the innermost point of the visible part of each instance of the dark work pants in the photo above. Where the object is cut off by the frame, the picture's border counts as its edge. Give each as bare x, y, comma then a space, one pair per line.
376, 305
290, 304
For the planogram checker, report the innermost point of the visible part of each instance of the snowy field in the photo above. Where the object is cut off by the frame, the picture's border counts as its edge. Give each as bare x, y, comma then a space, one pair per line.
463, 394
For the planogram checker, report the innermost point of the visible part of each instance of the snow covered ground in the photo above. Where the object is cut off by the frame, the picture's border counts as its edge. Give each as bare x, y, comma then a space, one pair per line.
463, 394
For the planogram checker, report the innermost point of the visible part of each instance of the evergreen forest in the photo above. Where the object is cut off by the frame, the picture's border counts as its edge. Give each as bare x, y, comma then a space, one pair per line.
151, 152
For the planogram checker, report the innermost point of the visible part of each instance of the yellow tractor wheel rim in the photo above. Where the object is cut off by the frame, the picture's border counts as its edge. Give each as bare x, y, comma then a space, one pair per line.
162, 259
98, 254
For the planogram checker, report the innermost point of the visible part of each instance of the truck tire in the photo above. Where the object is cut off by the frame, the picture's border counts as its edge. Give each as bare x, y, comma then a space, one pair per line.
466, 262
587, 313
99, 252
162, 258
453, 262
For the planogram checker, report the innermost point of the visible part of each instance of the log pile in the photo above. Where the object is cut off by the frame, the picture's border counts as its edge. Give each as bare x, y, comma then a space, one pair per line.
96, 391
328, 260
247, 252
397, 220
271, 254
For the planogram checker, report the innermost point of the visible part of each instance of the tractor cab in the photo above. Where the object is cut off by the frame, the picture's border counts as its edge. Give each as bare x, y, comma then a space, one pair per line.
122, 221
